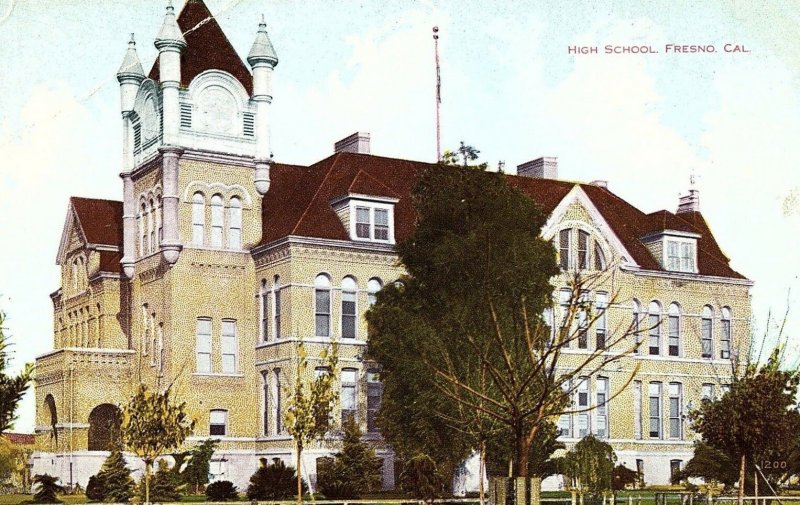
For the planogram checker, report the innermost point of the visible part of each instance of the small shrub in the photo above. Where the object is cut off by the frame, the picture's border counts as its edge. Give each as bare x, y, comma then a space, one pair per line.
114, 480
355, 471
163, 485
95, 488
221, 490
46, 489
421, 478
273, 482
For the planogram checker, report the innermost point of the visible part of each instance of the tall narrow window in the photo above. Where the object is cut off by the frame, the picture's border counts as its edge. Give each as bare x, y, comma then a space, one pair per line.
381, 224
687, 257
675, 400
565, 420
322, 306
276, 307
151, 226
143, 229
673, 256
725, 338
374, 395
601, 304
159, 223
564, 248
601, 423
264, 295
235, 223
218, 423
198, 218
564, 301
655, 410
373, 286
583, 324
706, 332
278, 412
162, 349
348, 394
348, 307
707, 392
654, 323
674, 329
674, 467
362, 222
599, 257
203, 345
266, 403
583, 404
583, 250
637, 410
550, 325
637, 316
229, 347
217, 219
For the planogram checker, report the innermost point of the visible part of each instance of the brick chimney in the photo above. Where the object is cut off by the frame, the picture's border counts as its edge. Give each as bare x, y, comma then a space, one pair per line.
355, 143
690, 202
545, 167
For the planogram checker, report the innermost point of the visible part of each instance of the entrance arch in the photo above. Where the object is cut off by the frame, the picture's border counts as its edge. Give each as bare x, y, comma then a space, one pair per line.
104, 421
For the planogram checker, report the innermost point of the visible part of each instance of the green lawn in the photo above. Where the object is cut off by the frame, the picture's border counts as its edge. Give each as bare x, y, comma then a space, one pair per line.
15, 499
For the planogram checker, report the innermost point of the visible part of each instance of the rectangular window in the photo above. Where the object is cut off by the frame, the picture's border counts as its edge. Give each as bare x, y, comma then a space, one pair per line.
601, 304
265, 393
675, 399
276, 292
674, 466
381, 224
563, 248
348, 394
362, 222
278, 413
725, 340
374, 395
583, 338
708, 392
687, 257
217, 218
655, 335
583, 250
674, 335
565, 420
203, 345
601, 423
706, 337
655, 410
198, 220
637, 336
640, 469
564, 297
637, 410
322, 314
583, 403
726, 388
348, 314
217, 423
673, 256
229, 347
264, 314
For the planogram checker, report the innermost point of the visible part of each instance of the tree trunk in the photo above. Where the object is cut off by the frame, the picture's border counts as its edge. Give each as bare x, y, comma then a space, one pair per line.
481, 466
741, 480
755, 481
147, 466
299, 476
523, 447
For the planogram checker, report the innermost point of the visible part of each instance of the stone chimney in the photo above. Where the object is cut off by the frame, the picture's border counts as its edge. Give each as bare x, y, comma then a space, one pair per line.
355, 143
600, 183
690, 202
545, 167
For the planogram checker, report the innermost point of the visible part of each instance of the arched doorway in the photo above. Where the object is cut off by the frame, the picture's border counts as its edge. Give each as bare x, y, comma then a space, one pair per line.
50, 405
104, 421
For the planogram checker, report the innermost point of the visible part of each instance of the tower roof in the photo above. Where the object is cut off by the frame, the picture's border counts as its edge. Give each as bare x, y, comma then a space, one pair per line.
131, 66
262, 49
207, 47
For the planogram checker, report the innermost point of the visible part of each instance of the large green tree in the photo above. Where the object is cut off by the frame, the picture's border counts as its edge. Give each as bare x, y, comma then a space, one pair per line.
152, 424
12, 387
465, 326
757, 421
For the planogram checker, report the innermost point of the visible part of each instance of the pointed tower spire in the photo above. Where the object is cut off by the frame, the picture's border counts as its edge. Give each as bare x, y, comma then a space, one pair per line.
170, 32
262, 59
131, 67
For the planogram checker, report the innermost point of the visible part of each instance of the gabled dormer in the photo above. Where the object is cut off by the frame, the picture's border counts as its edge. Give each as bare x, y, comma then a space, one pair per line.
675, 250
367, 210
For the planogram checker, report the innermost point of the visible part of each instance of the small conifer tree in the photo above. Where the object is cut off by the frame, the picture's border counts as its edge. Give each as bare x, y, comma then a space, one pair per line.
113, 482
356, 469
196, 472
46, 489
164, 486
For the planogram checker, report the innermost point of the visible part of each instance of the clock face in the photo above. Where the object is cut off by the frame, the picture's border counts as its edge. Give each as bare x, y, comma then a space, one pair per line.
217, 110
149, 120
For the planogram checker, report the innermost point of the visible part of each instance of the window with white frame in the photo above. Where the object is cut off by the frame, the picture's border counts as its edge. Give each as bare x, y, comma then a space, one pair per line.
565, 420
235, 223
142, 229
162, 351
674, 329
680, 255
217, 220
655, 409
218, 423
349, 294
198, 218
151, 226
159, 222
583, 320
583, 250
601, 304
654, 331
203, 345
374, 397
725, 338
564, 248
372, 222
229, 346
706, 332
277, 412
349, 394
635, 322
601, 397
564, 301
550, 325
373, 286
707, 392
637, 410
583, 404
263, 296
322, 306
265, 394
276, 306
725, 388
673, 256
675, 410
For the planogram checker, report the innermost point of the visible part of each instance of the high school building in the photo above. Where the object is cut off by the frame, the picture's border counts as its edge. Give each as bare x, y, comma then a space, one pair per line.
219, 260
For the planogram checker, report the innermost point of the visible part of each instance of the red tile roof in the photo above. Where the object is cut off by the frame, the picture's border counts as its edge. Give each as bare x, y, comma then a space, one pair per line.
20, 438
207, 48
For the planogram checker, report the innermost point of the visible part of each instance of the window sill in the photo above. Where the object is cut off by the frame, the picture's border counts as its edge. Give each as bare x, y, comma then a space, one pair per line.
312, 340
274, 438
218, 374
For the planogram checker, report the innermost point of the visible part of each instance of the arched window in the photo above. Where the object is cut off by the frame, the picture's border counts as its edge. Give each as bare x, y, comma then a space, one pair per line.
654, 324
198, 218
75, 274
104, 422
151, 226
162, 351
159, 223
599, 257
706, 329
50, 403
142, 229
564, 247
583, 250
154, 347
373, 286
725, 338
635, 322
217, 219
322, 306
349, 294
276, 306
265, 401
235, 223
674, 329
263, 296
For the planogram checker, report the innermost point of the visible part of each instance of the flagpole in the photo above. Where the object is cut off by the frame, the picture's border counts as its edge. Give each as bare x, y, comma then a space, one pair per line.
438, 94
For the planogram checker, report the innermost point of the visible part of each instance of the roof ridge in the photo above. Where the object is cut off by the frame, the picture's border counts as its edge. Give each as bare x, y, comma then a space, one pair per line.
311, 200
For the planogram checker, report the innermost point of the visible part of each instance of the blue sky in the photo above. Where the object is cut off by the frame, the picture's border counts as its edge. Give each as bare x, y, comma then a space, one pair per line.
510, 87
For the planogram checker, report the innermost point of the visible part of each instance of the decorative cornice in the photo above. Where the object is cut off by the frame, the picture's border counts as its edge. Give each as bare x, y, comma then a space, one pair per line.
686, 276
372, 247
219, 157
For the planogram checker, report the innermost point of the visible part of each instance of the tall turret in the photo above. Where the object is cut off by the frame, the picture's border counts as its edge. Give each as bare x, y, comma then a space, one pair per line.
263, 60
170, 43
130, 77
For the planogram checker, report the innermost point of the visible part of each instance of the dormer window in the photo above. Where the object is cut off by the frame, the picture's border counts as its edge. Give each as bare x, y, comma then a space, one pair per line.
367, 218
675, 250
